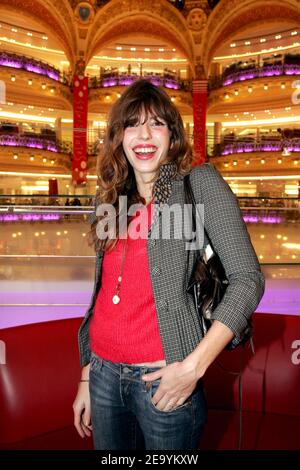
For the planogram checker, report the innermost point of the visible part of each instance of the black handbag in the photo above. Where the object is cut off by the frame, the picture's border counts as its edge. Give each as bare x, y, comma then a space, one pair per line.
208, 281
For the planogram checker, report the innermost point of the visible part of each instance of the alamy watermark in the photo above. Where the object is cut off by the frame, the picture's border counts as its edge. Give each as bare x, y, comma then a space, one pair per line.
176, 222
296, 93
2, 352
295, 358
2, 92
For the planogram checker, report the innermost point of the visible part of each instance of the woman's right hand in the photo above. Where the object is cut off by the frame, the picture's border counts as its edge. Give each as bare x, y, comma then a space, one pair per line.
82, 408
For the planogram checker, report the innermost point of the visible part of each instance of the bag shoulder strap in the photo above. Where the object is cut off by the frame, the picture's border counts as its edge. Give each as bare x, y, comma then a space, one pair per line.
190, 199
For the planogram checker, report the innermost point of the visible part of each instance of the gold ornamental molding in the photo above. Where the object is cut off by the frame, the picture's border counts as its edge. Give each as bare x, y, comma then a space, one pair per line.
101, 99
62, 162
155, 18
20, 92
56, 16
232, 16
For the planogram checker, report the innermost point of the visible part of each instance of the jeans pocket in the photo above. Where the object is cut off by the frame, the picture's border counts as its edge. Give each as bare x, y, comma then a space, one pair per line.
152, 390
95, 363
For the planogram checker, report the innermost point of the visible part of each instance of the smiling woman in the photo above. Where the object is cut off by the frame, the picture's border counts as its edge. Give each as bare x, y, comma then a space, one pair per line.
145, 130
146, 145
143, 354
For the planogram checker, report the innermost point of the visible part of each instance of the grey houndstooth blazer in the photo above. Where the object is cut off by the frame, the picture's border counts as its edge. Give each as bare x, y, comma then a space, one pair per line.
170, 268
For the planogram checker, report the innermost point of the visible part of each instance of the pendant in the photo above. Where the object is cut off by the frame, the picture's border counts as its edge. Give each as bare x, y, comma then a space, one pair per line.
116, 299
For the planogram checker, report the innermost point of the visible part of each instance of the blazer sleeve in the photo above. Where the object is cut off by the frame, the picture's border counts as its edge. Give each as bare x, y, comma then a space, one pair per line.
230, 239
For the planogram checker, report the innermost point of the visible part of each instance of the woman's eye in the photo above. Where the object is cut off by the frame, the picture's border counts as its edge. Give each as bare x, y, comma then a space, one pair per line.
158, 123
129, 124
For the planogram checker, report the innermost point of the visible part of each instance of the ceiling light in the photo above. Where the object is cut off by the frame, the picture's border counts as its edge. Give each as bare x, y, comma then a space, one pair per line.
263, 161
266, 86
283, 85
43, 86
52, 90
226, 96
247, 162
233, 44
15, 157
236, 92
262, 40
250, 89
13, 78
247, 43
29, 81
279, 161
278, 36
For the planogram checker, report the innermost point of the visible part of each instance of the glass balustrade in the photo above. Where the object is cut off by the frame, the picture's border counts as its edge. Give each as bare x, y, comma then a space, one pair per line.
47, 265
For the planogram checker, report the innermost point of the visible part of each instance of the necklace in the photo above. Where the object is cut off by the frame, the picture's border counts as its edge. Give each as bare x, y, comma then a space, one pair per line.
116, 298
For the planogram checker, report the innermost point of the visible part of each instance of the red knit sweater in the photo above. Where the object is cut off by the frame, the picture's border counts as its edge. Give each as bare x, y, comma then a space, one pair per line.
128, 331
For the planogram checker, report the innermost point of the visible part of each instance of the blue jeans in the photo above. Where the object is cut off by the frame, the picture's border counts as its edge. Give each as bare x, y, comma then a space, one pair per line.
124, 417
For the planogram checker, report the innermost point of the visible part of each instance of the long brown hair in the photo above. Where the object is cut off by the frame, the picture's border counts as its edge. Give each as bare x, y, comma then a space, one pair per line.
115, 174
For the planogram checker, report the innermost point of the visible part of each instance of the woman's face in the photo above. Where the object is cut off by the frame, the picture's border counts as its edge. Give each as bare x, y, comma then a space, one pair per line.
146, 144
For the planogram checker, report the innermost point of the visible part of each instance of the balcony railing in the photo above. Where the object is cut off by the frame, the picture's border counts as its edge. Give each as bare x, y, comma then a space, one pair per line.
231, 146
30, 64
47, 267
116, 78
41, 143
289, 65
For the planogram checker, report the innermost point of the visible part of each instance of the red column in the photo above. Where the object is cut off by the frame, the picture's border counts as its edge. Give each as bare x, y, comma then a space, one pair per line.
199, 112
80, 110
53, 187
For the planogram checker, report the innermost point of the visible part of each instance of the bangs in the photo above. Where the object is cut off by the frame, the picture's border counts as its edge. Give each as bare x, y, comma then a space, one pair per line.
147, 107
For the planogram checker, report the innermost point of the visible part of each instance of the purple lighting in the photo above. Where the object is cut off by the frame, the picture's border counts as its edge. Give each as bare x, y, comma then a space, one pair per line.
31, 65
293, 145
28, 217
254, 219
126, 80
264, 71
29, 142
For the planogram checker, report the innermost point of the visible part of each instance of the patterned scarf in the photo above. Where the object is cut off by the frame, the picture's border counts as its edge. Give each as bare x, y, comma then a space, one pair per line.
163, 185
162, 189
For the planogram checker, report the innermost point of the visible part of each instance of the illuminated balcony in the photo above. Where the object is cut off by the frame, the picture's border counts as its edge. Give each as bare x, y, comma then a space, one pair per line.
30, 64
288, 65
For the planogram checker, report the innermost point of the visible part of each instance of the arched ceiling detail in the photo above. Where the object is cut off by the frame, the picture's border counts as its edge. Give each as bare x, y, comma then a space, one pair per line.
232, 16
150, 17
56, 16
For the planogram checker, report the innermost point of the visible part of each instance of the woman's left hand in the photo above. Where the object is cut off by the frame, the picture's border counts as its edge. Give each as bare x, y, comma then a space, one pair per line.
178, 381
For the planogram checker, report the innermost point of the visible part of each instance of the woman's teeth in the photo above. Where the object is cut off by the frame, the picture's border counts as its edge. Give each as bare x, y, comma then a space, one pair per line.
145, 151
